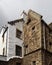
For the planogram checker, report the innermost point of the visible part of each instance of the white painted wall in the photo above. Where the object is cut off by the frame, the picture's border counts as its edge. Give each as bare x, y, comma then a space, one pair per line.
12, 40
2, 44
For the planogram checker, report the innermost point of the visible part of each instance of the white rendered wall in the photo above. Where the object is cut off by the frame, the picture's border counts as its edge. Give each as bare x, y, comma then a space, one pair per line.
2, 44
13, 40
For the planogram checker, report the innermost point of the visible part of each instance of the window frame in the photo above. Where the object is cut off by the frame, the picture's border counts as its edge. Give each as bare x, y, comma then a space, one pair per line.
18, 35
18, 50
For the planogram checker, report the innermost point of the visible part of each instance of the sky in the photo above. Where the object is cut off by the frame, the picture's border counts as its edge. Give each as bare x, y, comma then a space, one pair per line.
12, 9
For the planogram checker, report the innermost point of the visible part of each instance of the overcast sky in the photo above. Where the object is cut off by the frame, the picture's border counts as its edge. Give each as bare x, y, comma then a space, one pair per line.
12, 9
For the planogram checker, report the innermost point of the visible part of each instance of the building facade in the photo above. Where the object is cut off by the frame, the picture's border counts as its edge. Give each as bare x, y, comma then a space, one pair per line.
37, 40
33, 45
11, 45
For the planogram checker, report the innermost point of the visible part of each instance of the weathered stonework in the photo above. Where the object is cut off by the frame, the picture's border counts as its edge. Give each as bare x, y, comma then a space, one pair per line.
32, 38
36, 56
37, 41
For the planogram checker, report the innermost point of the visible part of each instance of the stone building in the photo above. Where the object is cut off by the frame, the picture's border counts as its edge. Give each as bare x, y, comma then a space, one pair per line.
35, 41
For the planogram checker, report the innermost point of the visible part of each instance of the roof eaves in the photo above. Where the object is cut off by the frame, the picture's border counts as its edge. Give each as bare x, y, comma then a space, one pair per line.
15, 21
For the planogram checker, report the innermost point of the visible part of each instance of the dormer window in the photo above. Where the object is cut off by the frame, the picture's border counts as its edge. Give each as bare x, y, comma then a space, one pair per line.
29, 20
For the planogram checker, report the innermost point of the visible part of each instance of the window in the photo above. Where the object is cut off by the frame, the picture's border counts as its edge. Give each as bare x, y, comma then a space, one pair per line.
34, 63
26, 49
29, 20
33, 31
18, 33
33, 28
18, 50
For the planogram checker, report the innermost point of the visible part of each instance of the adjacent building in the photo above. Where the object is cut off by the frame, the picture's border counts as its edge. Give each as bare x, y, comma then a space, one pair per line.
28, 41
11, 45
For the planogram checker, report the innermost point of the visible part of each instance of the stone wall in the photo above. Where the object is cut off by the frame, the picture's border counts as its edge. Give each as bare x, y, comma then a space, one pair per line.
33, 57
36, 36
3, 63
32, 40
46, 57
46, 37
32, 32
12, 61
